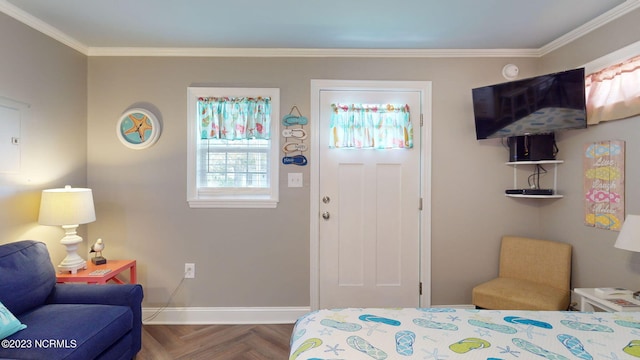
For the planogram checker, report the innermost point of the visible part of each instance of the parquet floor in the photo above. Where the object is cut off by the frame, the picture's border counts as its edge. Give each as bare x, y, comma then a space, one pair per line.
219, 342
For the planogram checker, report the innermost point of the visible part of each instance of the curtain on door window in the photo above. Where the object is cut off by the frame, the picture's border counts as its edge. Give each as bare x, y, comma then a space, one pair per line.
234, 118
614, 93
382, 126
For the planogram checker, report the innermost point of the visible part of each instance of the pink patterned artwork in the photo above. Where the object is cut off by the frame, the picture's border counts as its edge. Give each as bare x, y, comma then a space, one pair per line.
604, 184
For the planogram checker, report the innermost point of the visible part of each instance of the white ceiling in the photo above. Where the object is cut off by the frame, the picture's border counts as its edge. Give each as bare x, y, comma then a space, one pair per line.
524, 26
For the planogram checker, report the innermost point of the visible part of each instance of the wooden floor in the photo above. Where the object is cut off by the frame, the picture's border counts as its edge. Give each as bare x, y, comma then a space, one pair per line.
219, 342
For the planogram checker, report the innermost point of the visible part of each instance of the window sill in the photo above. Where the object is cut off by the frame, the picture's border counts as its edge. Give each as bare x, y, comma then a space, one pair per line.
233, 203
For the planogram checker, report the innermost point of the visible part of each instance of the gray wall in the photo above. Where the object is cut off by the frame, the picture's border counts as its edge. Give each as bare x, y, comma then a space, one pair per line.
260, 258
595, 262
52, 79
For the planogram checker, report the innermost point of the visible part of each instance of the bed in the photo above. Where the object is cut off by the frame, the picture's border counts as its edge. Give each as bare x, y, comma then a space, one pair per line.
443, 333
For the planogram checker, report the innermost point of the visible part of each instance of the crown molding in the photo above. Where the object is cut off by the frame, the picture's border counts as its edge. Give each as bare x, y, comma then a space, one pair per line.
581, 31
291, 52
37, 24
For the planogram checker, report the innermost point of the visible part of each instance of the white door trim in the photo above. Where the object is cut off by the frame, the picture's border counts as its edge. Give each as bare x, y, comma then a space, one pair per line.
425, 217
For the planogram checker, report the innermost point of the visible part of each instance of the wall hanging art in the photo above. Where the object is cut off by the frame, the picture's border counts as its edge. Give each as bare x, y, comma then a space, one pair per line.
604, 184
294, 138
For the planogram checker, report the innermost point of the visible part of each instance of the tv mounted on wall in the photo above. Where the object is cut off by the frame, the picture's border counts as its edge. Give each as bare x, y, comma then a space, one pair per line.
538, 105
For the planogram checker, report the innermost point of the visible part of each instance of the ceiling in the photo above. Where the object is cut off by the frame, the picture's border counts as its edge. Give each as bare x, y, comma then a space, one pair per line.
524, 26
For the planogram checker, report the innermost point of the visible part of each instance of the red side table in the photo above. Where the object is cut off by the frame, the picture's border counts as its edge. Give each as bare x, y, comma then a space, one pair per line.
116, 267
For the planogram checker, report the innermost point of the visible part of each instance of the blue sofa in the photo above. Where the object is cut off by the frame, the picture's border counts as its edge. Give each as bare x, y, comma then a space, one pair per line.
65, 321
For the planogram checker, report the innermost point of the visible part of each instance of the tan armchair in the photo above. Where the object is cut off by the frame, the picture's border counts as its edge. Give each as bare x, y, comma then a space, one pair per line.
533, 275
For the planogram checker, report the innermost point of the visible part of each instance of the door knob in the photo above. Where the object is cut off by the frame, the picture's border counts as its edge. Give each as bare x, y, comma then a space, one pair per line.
326, 199
326, 215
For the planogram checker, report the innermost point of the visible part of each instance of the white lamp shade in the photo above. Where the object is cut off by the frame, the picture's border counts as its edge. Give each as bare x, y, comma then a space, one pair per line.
629, 237
68, 206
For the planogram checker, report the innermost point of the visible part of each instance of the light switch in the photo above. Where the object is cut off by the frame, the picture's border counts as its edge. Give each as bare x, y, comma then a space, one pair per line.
295, 179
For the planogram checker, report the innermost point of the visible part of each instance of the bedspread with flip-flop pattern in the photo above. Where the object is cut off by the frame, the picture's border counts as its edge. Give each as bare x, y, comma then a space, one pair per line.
442, 333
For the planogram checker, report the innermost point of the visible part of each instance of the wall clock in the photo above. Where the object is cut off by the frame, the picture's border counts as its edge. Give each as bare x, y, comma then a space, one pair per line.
138, 129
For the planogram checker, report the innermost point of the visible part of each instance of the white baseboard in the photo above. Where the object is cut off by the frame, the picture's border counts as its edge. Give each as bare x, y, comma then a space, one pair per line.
234, 315
222, 315
460, 306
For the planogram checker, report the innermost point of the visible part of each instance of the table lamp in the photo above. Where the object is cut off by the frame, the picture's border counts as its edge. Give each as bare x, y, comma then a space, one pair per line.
629, 238
68, 207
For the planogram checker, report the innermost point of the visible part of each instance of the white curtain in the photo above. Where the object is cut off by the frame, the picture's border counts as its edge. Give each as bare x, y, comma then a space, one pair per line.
614, 92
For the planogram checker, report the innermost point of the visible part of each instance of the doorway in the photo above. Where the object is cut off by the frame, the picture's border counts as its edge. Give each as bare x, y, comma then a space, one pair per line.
370, 212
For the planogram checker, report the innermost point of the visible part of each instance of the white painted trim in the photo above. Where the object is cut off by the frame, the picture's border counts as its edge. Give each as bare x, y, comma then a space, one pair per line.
39, 25
314, 191
267, 198
594, 24
222, 315
459, 306
293, 52
426, 259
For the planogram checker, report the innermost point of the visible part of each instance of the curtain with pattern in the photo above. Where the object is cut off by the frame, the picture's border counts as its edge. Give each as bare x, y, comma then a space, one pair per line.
234, 118
614, 92
361, 126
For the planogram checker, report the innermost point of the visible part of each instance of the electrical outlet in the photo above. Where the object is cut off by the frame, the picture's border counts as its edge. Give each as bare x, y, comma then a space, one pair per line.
189, 270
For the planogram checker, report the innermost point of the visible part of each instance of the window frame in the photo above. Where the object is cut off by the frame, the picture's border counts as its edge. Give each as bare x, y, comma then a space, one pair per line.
231, 198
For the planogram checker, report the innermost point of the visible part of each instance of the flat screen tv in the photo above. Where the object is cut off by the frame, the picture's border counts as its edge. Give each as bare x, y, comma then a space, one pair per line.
538, 105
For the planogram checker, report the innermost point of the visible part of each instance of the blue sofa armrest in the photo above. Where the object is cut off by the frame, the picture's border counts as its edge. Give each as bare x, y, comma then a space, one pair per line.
109, 294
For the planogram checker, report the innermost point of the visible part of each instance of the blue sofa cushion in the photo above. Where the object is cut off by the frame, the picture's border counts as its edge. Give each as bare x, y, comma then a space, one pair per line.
70, 331
26, 263
129, 295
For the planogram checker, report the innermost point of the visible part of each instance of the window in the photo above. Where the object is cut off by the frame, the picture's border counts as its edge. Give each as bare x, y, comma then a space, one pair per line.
613, 85
371, 126
233, 147
613, 93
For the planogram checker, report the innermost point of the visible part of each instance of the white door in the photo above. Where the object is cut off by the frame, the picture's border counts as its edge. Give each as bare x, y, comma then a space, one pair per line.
369, 212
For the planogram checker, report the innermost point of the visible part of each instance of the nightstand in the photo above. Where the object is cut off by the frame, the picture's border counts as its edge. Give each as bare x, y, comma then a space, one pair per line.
116, 267
589, 301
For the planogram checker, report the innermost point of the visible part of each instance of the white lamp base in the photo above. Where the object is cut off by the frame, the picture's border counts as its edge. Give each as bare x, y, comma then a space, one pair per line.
72, 262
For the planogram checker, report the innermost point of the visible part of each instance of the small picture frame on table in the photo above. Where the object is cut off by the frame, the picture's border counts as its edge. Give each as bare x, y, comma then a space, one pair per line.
138, 129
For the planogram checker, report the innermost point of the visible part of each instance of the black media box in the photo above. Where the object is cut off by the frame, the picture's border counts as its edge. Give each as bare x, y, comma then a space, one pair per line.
529, 191
532, 147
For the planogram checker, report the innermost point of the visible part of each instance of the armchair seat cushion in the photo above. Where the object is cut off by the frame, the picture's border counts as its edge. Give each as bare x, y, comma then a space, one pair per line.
533, 274
514, 294
73, 331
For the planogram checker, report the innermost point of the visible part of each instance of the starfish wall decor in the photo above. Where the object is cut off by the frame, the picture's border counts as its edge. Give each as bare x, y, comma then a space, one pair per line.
138, 129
